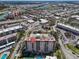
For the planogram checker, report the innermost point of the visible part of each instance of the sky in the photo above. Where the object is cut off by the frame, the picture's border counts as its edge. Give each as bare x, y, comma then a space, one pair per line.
39, 0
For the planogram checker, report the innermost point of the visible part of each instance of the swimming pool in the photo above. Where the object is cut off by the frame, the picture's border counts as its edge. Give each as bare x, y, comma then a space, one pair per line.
39, 57
4, 56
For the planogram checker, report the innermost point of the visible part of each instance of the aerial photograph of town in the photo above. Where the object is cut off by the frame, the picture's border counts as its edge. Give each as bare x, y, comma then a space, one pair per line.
39, 29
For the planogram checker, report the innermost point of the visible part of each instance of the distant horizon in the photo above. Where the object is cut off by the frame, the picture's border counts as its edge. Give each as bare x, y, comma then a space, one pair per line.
39, 0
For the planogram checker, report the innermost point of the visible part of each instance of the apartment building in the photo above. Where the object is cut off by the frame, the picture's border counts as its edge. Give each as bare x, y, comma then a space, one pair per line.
40, 43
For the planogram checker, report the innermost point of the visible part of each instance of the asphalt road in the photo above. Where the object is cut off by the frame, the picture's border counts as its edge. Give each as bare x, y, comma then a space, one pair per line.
68, 54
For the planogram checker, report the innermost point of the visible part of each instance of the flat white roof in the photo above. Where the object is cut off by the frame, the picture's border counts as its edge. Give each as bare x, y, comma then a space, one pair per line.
57, 17
43, 20
30, 21
25, 17
76, 16
11, 28
51, 57
68, 26
78, 42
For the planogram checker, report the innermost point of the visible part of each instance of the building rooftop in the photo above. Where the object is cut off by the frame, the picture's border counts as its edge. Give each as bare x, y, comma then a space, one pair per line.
40, 37
11, 28
7, 36
68, 28
43, 20
30, 21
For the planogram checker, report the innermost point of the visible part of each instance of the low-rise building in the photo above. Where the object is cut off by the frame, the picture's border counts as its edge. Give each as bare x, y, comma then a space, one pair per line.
8, 37
43, 21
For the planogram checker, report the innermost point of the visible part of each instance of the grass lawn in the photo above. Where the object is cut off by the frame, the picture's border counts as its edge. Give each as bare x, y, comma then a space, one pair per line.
74, 49
59, 54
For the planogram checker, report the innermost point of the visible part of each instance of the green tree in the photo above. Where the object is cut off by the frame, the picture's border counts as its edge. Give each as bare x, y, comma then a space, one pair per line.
20, 34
